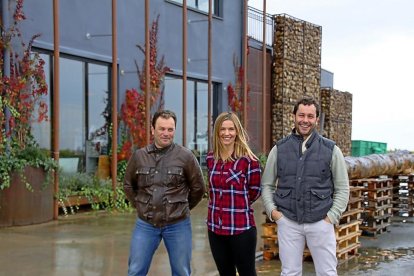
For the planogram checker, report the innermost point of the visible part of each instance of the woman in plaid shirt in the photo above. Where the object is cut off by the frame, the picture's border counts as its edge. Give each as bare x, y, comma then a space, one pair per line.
234, 184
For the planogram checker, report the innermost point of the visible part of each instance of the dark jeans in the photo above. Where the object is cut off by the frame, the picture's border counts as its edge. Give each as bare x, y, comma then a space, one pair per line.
234, 251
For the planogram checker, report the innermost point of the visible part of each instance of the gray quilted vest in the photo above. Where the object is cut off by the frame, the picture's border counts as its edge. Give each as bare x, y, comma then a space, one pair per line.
305, 188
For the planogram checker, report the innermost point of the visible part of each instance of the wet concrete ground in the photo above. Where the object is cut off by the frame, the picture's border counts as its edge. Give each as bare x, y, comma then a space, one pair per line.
97, 243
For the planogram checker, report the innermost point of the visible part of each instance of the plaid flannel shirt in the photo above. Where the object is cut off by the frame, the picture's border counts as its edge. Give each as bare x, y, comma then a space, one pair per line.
233, 187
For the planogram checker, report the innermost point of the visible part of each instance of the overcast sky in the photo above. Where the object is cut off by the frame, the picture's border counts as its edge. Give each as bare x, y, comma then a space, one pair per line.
369, 46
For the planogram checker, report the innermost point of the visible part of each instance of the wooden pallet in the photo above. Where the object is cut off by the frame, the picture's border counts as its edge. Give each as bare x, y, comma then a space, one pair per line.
348, 252
374, 221
270, 254
378, 212
354, 204
350, 216
344, 230
372, 183
380, 202
373, 232
269, 229
377, 194
375, 227
348, 240
269, 243
355, 193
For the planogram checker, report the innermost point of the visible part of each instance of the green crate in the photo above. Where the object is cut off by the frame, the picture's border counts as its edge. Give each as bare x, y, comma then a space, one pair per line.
361, 148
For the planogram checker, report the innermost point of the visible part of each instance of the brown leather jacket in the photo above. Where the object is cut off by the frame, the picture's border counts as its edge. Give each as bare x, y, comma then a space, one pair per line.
163, 184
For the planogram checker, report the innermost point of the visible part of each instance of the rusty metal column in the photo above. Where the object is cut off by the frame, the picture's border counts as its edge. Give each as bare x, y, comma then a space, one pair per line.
209, 104
56, 101
244, 63
184, 73
114, 163
147, 76
264, 136
5, 13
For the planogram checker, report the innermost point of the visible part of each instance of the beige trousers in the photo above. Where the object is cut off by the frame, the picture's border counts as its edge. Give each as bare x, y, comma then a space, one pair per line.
320, 239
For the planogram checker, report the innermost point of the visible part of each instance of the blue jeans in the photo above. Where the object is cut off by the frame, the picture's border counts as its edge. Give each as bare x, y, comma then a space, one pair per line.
146, 239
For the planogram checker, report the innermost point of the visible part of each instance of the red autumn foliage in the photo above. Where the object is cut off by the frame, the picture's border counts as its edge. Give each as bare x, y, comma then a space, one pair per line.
235, 93
132, 115
23, 91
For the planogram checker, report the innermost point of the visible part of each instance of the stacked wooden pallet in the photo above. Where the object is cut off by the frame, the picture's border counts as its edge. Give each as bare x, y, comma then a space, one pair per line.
270, 247
347, 233
377, 196
403, 195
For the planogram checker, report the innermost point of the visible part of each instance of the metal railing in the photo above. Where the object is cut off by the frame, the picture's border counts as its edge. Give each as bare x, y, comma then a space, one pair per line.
255, 25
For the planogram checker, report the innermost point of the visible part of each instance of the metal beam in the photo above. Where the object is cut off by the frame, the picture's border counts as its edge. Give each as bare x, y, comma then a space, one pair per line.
184, 111
147, 75
210, 85
264, 107
56, 103
114, 163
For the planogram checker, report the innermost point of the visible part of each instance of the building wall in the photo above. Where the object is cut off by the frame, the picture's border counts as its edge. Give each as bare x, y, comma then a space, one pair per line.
336, 117
79, 17
255, 104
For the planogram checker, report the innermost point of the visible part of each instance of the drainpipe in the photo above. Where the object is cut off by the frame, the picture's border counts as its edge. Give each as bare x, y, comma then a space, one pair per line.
56, 101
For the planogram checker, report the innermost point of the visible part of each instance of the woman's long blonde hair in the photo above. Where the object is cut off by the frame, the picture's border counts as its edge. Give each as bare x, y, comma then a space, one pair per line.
241, 146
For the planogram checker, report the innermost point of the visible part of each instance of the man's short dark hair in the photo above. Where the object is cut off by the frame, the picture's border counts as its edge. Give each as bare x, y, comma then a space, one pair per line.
307, 100
165, 114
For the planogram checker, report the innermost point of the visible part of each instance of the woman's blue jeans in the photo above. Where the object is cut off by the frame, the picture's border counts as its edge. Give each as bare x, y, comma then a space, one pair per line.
146, 239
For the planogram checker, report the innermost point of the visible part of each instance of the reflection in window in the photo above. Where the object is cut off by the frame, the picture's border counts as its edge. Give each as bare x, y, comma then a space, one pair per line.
173, 95
98, 114
84, 113
72, 106
197, 113
41, 131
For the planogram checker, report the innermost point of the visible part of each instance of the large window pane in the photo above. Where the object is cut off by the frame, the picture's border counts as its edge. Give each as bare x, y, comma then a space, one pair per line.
202, 5
98, 113
197, 121
41, 131
72, 110
196, 113
173, 95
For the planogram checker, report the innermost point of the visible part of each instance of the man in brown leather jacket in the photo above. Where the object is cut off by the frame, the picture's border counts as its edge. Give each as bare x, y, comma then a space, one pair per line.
164, 182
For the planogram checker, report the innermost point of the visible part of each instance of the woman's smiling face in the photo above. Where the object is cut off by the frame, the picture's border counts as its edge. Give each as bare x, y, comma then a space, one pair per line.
228, 133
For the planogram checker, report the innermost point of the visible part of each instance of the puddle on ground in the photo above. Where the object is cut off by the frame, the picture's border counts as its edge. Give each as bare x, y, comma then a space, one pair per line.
369, 259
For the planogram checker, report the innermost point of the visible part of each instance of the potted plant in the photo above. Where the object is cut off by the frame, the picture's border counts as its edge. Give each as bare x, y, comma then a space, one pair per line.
25, 194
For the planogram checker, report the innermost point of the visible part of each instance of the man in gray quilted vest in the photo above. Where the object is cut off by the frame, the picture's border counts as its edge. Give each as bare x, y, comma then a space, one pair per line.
305, 189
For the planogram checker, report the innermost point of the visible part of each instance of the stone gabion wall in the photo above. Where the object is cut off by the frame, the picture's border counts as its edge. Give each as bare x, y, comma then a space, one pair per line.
336, 109
296, 69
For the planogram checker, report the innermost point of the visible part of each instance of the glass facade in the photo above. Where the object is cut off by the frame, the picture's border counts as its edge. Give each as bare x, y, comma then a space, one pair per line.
42, 131
196, 115
83, 113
